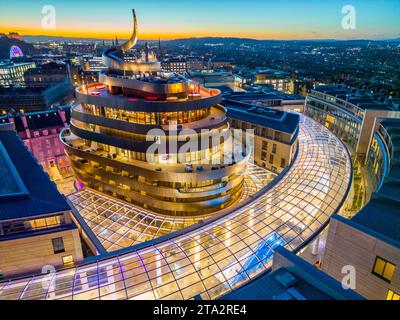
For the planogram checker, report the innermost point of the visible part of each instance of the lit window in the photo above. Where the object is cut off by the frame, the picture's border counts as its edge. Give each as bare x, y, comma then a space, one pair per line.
391, 295
68, 261
58, 245
383, 269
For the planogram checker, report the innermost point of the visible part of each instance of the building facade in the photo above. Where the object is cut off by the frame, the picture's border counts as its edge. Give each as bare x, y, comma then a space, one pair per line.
349, 114
278, 80
40, 132
216, 64
178, 65
80, 76
275, 133
12, 74
195, 63
46, 75
370, 241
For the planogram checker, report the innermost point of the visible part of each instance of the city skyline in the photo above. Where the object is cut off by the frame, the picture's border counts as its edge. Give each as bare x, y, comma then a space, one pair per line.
258, 19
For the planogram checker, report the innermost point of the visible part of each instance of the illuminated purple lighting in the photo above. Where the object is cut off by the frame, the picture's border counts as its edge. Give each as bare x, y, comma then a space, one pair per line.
16, 52
78, 185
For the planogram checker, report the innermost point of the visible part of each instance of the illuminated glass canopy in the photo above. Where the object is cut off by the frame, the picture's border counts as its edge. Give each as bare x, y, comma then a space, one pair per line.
214, 257
118, 224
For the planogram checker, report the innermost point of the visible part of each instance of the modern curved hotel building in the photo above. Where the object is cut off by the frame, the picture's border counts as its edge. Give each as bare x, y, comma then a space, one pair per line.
274, 213
137, 105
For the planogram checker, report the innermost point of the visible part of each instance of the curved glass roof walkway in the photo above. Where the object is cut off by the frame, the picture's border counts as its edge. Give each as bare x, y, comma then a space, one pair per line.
218, 255
118, 224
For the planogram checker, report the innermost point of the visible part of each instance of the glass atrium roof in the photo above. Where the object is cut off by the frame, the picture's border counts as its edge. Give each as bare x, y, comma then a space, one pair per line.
217, 256
118, 224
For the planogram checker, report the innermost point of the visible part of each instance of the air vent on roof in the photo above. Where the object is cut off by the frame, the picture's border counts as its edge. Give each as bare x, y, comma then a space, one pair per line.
286, 279
270, 112
264, 111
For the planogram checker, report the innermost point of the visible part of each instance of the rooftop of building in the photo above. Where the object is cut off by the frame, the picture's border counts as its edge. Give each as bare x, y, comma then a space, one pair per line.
225, 90
292, 278
381, 215
268, 95
39, 90
224, 60
194, 57
271, 118
9, 65
272, 72
26, 190
38, 120
159, 78
209, 73
174, 59
391, 123
51, 67
363, 100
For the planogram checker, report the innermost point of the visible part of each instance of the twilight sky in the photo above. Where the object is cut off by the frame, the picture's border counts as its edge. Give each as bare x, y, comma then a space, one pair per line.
170, 19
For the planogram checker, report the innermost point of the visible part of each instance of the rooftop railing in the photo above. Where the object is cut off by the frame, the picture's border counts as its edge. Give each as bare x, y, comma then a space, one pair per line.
348, 106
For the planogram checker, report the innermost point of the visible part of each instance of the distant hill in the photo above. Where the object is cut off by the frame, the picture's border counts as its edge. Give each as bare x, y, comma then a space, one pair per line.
209, 40
33, 39
229, 40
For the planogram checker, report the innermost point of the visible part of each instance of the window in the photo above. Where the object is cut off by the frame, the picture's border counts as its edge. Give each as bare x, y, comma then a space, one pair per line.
391, 295
68, 261
264, 145
264, 132
58, 245
283, 163
271, 158
274, 148
383, 269
263, 156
